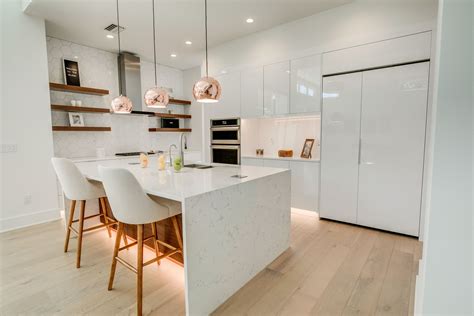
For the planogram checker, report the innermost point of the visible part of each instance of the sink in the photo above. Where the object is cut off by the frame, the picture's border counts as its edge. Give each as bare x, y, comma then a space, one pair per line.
197, 166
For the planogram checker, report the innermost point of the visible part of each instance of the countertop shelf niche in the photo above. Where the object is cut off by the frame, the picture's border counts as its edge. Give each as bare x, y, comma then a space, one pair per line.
169, 130
70, 108
77, 89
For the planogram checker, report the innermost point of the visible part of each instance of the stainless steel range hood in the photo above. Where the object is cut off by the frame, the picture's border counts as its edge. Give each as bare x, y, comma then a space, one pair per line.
129, 79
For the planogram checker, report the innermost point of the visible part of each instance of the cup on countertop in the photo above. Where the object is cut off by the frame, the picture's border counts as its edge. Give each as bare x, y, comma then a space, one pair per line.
100, 152
73, 102
78, 102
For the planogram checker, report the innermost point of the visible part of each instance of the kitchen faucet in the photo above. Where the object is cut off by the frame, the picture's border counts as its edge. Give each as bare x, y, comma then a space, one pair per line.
171, 159
181, 151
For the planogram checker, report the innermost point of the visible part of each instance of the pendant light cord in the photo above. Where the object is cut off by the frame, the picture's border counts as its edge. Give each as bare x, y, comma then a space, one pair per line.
154, 41
118, 35
205, 19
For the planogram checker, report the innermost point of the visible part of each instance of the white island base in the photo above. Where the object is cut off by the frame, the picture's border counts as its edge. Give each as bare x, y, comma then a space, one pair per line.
232, 227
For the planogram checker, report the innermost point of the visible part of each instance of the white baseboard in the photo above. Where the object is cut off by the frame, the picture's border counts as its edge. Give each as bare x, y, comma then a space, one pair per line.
26, 220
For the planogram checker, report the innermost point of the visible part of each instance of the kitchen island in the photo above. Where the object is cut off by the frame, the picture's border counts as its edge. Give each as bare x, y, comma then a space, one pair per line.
235, 221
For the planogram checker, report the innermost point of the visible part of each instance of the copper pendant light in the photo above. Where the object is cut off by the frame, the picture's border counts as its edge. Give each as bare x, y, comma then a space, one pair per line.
156, 97
207, 89
121, 104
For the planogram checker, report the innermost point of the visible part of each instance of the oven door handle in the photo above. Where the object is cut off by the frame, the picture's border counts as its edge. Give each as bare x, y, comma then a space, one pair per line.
225, 147
226, 128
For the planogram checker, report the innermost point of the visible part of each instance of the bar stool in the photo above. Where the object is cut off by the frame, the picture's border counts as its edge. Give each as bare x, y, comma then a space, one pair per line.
131, 205
77, 188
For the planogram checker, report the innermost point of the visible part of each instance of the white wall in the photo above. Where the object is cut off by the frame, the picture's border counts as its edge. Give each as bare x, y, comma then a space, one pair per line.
98, 68
445, 282
190, 76
27, 177
361, 22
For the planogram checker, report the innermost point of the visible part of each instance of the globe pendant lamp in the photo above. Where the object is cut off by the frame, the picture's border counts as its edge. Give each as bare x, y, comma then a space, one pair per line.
156, 97
121, 104
207, 89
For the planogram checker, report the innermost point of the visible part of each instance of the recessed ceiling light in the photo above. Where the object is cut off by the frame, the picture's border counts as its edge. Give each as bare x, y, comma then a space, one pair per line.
76, 57
188, 42
249, 20
173, 55
110, 36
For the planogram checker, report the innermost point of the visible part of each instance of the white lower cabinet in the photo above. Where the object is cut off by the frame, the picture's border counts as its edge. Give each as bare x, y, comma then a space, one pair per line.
304, 185
251, 162
304, 180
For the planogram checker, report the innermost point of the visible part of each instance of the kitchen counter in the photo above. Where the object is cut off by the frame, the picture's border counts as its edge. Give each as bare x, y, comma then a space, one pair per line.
281, 158
232, 227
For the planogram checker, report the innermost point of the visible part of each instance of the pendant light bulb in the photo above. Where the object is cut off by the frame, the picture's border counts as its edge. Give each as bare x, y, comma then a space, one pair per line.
156, 97
121, 104
207, 89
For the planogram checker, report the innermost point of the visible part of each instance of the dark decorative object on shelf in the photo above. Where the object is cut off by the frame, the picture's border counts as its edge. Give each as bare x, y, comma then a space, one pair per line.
71, 73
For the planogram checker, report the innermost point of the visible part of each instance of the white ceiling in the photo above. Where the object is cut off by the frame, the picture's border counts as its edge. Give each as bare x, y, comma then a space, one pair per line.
83, 22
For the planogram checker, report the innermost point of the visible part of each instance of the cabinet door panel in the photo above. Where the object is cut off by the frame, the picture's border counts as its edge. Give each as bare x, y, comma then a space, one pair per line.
251, 92
229, 103
392, 147
305, 84
276, 88
340, 147
252, 162
273, 163
304, 185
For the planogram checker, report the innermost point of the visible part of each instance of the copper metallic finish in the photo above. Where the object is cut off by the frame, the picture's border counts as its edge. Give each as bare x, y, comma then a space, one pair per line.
121, 104
207, 90
156, 98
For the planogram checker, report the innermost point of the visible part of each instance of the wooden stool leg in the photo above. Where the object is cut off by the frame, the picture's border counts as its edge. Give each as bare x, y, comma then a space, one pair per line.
114, 258
81, 231
177, 232
155, 238
124, 235
69, 224
103, 208
139, 269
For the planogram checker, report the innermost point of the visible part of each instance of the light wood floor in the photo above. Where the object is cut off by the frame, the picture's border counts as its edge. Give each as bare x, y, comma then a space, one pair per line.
330, 269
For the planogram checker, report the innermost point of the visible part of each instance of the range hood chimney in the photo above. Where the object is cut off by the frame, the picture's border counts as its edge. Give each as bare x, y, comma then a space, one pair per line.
129, 79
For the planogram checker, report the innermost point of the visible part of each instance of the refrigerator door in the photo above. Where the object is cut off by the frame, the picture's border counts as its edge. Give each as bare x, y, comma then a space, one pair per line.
393, 123
340, 147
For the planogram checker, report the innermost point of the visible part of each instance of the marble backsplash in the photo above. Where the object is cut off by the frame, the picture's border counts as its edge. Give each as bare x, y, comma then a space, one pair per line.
98, 69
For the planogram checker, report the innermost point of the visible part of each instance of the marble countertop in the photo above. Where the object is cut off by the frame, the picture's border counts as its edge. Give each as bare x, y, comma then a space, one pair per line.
179, 185
94, 158
281, 158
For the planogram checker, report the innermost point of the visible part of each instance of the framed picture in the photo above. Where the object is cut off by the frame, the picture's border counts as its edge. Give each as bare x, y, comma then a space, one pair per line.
76, 119
307, 147
71, 72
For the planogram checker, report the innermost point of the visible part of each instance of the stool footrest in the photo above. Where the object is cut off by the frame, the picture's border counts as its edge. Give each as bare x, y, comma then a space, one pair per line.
134, 243
126, 264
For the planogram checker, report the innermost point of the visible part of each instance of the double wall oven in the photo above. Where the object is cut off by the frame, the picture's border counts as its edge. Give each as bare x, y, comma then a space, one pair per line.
225, 141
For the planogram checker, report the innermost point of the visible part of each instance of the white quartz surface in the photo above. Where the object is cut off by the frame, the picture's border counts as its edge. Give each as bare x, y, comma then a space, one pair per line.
280, 158
179, 185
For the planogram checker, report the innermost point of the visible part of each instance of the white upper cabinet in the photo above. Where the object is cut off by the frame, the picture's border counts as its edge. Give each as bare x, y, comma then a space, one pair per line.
305, 84
229, 103
276, 88
251, 100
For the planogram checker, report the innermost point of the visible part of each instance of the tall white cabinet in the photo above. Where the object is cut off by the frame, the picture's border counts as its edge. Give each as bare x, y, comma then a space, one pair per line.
373, 125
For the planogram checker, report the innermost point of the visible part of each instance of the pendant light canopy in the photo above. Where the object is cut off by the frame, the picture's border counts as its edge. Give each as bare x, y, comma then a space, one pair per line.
121, 104
207, 89
156, 97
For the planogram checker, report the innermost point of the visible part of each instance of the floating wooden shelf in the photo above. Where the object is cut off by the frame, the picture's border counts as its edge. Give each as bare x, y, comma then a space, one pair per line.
178, 101
81, 129
76, 89
168, 115
169, 130
70, 108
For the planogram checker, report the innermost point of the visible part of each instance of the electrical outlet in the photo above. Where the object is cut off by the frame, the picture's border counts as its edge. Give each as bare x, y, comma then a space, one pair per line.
27, 199
9, 148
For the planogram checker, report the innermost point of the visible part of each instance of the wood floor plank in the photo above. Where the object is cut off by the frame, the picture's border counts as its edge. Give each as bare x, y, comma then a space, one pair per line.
395, 295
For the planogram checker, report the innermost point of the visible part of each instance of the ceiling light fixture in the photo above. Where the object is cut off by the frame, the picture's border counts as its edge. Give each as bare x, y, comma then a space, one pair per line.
156, 97
173, 55
249, 20
120, 104
188, 42
109, 36
207, 89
